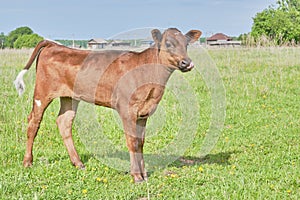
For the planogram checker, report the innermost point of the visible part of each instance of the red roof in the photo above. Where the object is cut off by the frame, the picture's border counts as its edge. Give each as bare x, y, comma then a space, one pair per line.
219, 36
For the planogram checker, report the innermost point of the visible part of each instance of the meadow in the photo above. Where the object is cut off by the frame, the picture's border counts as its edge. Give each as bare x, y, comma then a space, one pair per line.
257, 155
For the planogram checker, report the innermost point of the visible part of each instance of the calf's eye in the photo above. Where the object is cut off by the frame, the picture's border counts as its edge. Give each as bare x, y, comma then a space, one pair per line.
168, 44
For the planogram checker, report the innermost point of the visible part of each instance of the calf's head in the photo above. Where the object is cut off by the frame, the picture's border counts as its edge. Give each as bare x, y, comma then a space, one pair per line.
172, 46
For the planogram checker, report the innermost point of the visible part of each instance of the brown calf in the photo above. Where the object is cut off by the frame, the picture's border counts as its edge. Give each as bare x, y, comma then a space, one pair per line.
131, 83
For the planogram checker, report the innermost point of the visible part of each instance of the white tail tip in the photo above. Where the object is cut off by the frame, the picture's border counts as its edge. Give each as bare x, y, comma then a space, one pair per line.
19, 83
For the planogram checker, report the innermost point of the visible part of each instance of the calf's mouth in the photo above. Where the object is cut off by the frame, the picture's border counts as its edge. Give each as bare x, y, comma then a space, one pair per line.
186, 65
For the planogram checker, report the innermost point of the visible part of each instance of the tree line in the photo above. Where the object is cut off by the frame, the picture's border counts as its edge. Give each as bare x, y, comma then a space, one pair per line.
276, 25
22, 37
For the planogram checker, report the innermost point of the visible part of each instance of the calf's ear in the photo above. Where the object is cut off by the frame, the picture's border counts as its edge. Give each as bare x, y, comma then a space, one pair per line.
156, 35
193, 35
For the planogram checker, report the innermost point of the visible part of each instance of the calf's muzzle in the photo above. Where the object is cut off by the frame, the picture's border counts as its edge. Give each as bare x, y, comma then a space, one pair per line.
186, 65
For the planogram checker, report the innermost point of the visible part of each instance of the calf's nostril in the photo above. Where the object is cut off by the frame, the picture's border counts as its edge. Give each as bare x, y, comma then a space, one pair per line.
184, 63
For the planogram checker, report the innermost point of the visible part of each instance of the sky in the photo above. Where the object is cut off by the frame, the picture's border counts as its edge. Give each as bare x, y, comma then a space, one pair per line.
86, 19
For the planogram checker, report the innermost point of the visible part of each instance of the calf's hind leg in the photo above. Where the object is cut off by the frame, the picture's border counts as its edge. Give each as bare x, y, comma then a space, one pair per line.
34, 121
68, 108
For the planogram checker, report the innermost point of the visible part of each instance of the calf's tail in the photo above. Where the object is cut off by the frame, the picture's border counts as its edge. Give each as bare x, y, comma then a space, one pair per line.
19, 83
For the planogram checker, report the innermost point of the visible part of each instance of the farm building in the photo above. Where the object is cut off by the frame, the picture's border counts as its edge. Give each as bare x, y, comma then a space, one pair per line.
221, 39
97, 43
102, 43
119, 43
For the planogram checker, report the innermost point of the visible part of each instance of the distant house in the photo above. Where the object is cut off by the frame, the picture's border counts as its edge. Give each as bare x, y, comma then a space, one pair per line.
118, 43
221, 39
97, 43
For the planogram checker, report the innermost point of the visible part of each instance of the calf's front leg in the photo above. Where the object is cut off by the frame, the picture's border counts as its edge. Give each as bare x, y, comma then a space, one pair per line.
135, 137
68, 108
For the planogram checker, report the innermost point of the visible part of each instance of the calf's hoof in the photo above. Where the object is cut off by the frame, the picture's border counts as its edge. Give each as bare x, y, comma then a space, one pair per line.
79, 165
27, 162
139, 178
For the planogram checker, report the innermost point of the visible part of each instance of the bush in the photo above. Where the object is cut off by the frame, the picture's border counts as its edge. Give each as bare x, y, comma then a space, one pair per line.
27, 41
15, 34
281, 24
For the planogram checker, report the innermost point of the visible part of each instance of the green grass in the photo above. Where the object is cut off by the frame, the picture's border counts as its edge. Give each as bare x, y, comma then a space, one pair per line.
257, 155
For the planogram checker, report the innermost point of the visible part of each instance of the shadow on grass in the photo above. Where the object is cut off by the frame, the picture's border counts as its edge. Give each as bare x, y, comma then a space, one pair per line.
155, 161
221, 158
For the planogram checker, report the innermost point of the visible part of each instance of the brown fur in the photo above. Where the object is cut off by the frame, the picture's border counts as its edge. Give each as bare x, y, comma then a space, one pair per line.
129, 82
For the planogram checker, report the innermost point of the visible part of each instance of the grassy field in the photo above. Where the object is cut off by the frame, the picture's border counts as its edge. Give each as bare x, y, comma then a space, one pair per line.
257, 155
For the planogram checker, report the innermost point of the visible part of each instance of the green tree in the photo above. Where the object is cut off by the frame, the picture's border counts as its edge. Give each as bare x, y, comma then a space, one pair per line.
281, 24
13, 35
289, 4
2, 40
27, 41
